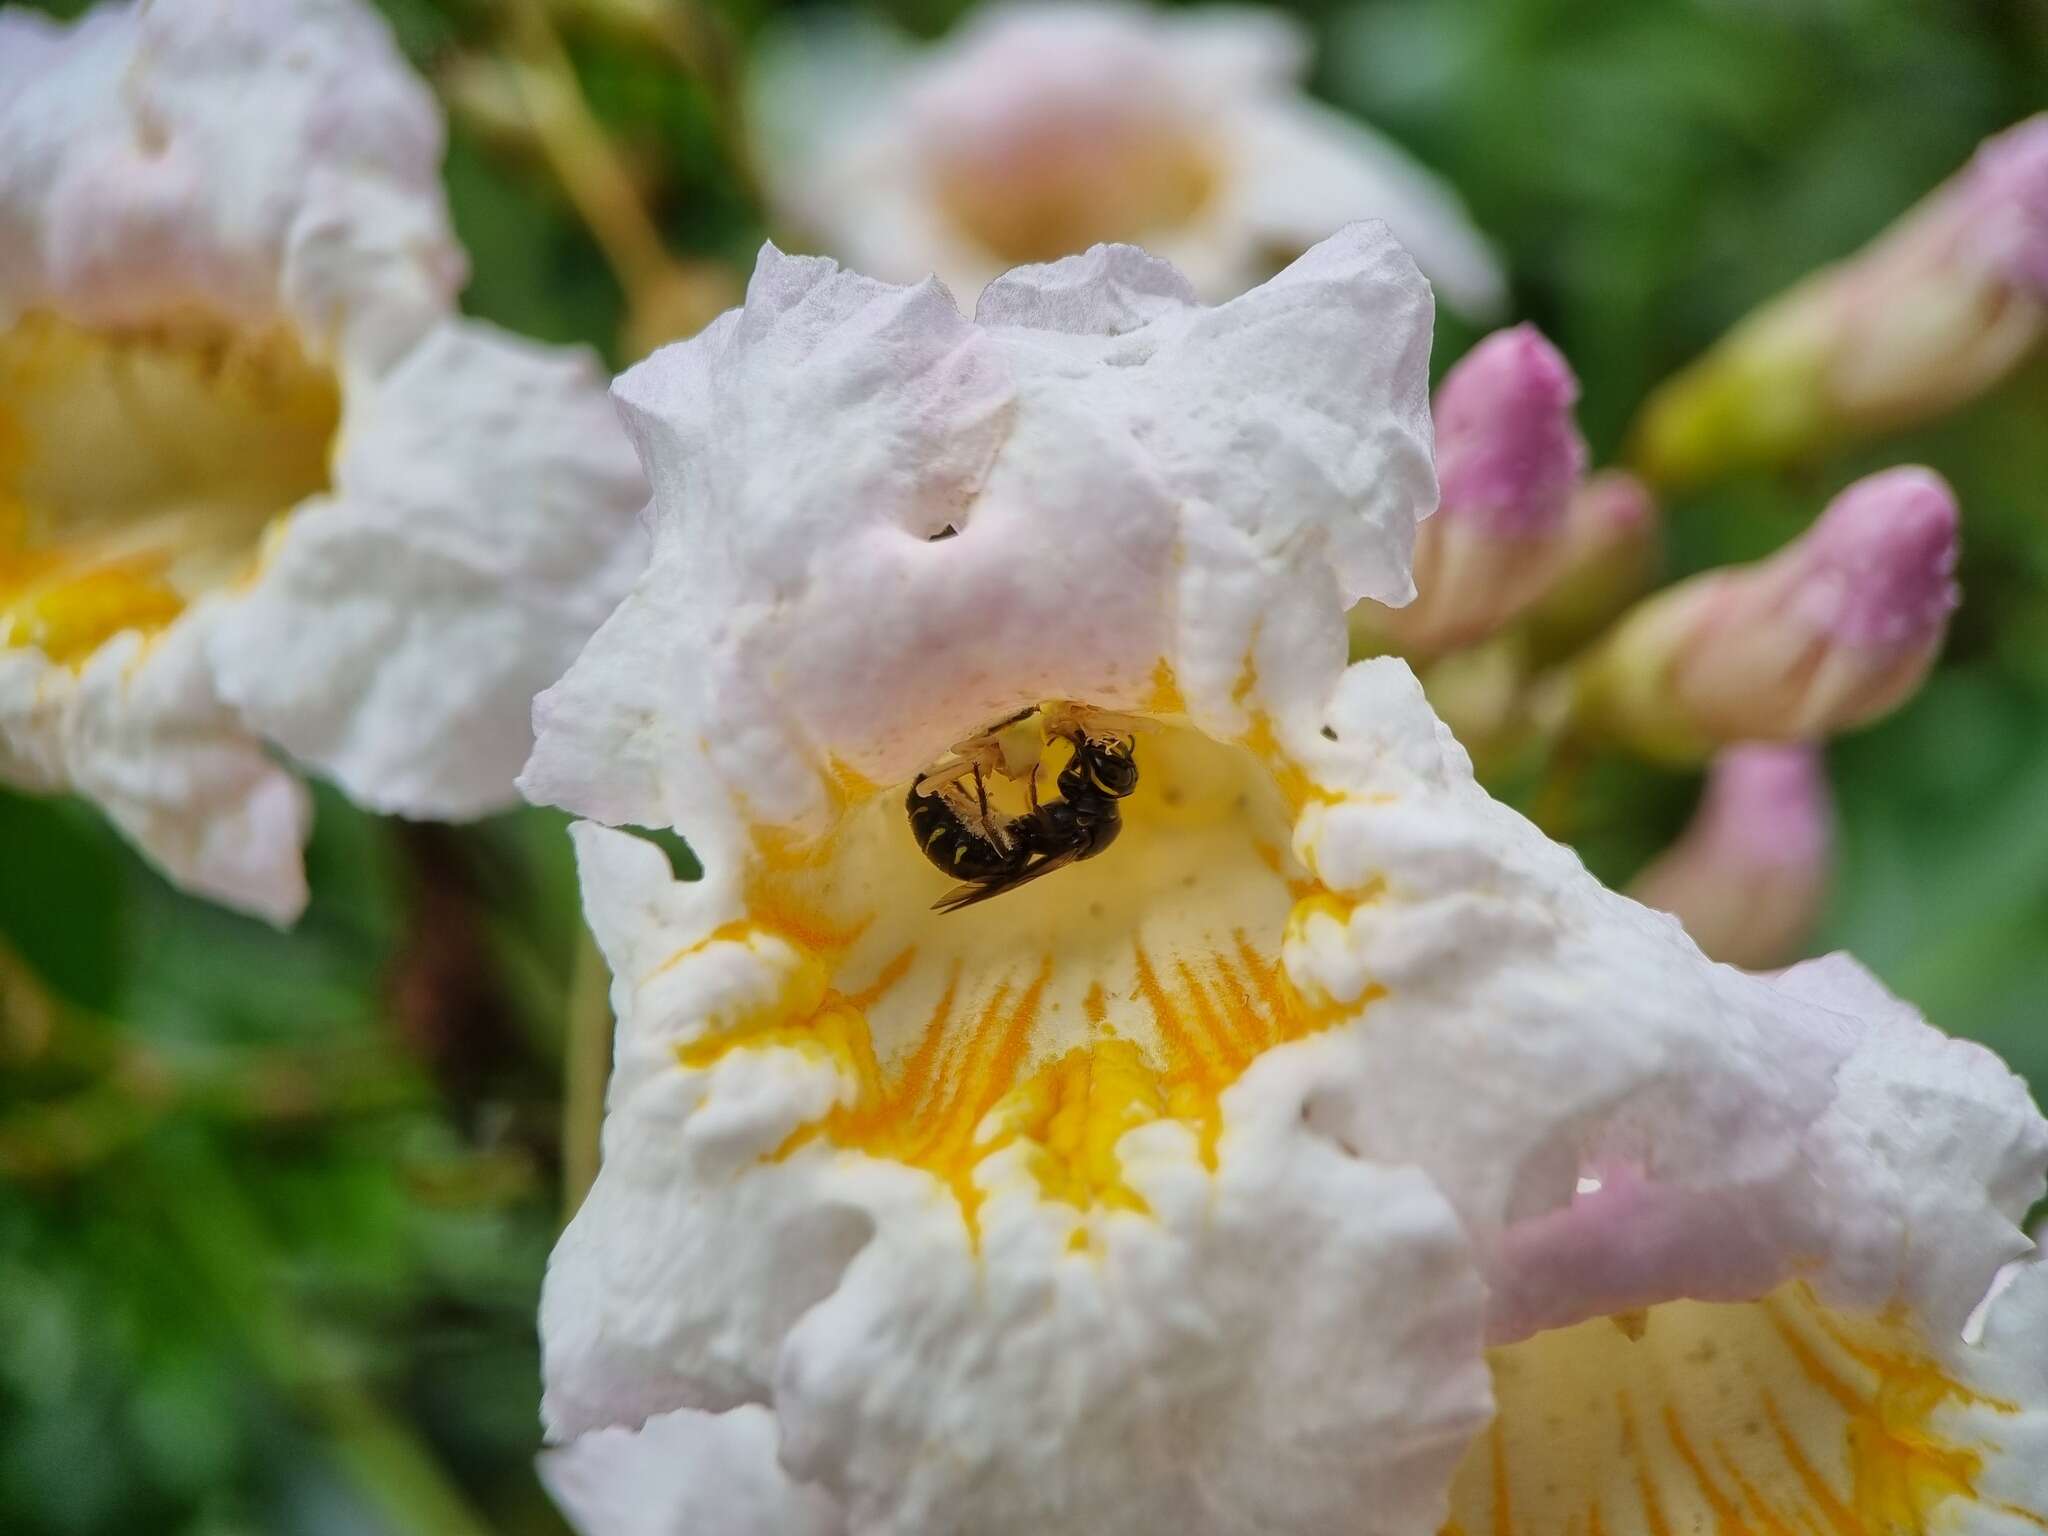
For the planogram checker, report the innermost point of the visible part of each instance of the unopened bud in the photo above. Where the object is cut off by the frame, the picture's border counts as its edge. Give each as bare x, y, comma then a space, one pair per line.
1834, 630
1509, 456
1748, 877
1485, 694
1606, 558
1932, 313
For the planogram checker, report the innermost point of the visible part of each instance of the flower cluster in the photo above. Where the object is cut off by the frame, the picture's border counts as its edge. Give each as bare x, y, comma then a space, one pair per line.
1332, 1142
1532, 636
260, 486
1118, 1067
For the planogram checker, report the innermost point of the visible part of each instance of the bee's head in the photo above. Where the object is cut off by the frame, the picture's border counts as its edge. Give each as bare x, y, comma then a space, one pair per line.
1112, 764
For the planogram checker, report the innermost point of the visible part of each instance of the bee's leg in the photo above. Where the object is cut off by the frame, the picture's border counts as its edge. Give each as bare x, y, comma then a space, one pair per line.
988, 821
1033, 789
932, 780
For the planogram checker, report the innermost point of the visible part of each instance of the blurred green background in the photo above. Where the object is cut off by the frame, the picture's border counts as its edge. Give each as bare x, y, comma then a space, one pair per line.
275, 1207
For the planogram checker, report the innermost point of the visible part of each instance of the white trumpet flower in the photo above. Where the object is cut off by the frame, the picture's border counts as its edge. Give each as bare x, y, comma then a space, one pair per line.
1041, 129
259, 485
1329, 1153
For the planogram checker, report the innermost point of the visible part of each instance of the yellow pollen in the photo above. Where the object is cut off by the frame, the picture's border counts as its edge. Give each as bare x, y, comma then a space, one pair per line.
1166, 697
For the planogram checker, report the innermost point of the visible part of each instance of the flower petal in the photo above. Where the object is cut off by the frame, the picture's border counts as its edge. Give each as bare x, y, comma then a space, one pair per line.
1743, 1131
2010, 1407
1766, 1416
481, 526
1198, 465
840, 1285
1527, 1027
1941, 1143
1305, 166
1181, 1189
31, 737
1106, 291
140, 732
1241, 47
685, 1474
1037, 130
131, 184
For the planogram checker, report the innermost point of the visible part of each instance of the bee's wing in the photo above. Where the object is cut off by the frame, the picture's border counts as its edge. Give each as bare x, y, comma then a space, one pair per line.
985, 736
967, 895
1109, 720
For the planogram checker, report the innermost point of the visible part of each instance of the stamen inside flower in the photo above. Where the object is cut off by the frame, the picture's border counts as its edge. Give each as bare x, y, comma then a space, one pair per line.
1774, 1416
1016, 1041
139, 468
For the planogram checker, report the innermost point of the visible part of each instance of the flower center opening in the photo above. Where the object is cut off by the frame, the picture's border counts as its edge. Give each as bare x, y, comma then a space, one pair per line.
1749, 1419
139, 469
1013, 1043
1056, 181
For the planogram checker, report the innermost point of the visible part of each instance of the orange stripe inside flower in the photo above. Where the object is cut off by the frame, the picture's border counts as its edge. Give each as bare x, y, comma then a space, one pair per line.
1133, 988
1779, 1417
140, 468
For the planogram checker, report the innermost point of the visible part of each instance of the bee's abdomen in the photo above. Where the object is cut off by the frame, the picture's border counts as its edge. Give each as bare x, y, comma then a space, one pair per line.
954, 847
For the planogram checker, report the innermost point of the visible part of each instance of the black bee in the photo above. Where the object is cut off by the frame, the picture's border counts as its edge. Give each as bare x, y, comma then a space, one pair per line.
994, 852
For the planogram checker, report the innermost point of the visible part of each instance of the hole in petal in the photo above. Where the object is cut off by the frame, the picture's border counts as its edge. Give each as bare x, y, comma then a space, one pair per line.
682, 859
140, 468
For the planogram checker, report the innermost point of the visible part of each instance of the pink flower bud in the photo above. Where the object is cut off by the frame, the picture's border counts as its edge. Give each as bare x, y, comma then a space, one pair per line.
1877, 570
1834, 630
1509, 456
1508, 452
2005, 193
1613, 507
1749, 876
1605, 560
1932, 313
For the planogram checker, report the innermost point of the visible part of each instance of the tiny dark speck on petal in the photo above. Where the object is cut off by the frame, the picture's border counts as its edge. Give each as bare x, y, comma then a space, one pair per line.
947, 532
1328, 734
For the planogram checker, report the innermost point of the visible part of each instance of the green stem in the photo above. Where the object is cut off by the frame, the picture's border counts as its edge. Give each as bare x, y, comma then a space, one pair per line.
387, 1461
702, 46
582, 156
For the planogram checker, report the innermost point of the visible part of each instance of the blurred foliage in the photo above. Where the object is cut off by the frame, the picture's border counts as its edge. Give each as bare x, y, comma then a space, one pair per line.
276, 1207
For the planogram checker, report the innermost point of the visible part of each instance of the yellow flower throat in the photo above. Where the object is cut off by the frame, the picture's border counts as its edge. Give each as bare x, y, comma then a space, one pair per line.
140, 468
